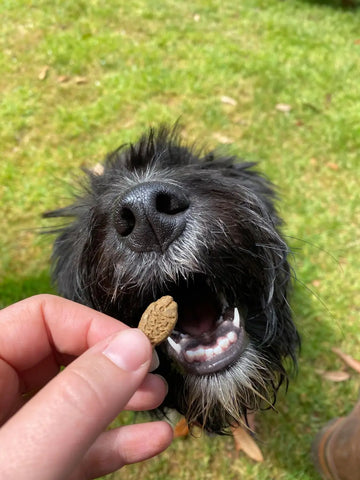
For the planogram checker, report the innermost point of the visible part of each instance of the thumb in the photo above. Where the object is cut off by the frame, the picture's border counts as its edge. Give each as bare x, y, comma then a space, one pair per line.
72, 410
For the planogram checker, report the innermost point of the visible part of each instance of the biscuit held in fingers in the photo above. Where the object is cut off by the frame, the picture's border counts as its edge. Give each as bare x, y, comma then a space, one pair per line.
159, 319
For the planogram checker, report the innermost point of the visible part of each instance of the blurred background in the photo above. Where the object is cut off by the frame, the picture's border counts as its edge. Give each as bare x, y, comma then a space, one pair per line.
272, 81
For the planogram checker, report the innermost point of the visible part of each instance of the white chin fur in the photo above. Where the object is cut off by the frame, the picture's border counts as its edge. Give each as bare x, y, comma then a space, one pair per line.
222, 394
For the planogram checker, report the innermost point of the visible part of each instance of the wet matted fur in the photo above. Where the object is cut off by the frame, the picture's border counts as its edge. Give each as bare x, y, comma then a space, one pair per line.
161, 218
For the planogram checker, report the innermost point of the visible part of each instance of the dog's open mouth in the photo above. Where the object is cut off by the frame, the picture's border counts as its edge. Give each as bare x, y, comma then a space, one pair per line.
209, 335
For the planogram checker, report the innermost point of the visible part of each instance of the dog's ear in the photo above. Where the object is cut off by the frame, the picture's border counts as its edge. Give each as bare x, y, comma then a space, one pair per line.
248, 177
256, 182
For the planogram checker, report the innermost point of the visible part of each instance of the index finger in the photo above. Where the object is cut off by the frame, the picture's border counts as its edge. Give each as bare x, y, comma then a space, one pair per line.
45, 325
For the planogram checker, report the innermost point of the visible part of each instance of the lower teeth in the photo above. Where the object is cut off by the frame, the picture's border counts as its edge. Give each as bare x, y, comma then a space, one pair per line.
202, 353
205, 353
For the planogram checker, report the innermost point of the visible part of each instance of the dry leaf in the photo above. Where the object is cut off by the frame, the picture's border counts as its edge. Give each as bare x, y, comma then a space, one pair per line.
80, 80
334, 376
43, 72
228, 100
332, 166
98, 169
244, 441
222, 138
350, 362
181, 429
283, 107
63, 79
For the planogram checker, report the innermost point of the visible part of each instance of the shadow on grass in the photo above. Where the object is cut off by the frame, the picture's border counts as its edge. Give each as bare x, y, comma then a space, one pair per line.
346, 5
309, 402
14, 289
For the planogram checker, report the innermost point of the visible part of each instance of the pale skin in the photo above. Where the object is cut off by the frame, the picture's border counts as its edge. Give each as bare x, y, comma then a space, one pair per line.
54, 424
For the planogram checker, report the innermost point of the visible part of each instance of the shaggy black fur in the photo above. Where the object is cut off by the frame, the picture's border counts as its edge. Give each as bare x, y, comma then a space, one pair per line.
162, 219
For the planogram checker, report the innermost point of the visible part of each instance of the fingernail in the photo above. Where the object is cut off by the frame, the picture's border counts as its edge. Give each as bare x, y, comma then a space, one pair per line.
129, 350
165, 382
155, 362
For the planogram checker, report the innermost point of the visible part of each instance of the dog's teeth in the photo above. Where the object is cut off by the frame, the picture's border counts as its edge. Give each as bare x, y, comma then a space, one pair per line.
200, 353
209, 353
218, 350
190, 356
232, 337
174, 345
223, 342
236, 320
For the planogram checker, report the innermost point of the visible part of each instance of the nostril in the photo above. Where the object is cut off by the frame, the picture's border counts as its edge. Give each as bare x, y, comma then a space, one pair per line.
170, 204
151, 215
125, 222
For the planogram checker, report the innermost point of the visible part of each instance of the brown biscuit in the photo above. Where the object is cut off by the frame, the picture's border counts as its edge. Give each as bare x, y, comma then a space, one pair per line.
159, 319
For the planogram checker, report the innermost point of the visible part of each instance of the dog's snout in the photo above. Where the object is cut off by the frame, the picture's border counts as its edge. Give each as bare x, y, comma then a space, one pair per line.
150, 216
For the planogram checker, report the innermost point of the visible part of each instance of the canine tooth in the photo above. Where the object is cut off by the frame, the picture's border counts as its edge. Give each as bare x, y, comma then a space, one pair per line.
174, 345
236, 320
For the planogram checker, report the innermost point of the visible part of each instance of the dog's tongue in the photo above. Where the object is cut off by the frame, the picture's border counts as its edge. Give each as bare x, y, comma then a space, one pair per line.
197, 318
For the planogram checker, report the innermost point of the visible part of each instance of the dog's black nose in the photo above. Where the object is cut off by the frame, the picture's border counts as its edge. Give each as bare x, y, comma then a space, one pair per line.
151, 216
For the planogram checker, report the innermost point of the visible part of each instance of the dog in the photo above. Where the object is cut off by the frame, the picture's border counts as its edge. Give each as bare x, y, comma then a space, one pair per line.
161, 218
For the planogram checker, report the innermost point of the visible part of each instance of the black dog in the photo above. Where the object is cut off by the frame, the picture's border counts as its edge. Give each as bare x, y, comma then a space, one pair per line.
162, 220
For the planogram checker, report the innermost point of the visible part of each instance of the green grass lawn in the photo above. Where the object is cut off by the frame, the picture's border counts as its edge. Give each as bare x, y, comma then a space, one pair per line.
80, 78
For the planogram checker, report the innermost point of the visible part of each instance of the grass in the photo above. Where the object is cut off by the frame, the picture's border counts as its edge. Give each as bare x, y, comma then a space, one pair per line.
116, 67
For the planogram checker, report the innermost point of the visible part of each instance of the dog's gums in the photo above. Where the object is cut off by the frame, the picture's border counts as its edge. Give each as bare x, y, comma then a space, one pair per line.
212, 350
207, 338
161, 219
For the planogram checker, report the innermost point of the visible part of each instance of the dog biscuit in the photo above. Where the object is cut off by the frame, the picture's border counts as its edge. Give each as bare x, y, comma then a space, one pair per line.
159, 319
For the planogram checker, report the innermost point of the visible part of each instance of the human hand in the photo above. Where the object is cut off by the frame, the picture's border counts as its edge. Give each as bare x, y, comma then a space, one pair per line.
60, 432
